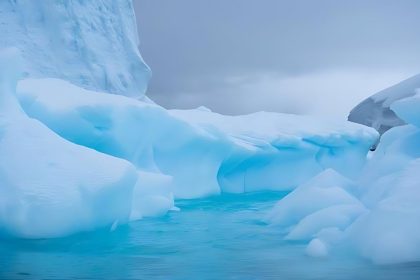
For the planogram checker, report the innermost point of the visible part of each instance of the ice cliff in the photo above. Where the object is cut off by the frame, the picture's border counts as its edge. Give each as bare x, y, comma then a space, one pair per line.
93, 44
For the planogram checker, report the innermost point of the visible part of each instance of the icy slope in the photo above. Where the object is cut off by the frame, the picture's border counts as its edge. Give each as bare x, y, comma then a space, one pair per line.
205, 153
375, 111
376, 215
48, 186
407, 109
90, 43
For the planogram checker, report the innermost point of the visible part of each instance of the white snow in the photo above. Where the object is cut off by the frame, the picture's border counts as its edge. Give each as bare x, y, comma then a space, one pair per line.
93, 44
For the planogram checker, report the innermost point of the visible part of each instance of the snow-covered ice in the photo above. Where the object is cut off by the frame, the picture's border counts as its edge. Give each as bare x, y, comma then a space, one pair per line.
93, 44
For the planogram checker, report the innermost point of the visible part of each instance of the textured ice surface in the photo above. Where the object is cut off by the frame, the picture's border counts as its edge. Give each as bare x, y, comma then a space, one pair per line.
48, 186
204, 152
90, 43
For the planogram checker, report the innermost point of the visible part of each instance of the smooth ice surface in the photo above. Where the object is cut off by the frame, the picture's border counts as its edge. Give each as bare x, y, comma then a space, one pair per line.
322, 202
93, 44
317, 249
214, 238
376, 110
152, 195
50, 187
204, 152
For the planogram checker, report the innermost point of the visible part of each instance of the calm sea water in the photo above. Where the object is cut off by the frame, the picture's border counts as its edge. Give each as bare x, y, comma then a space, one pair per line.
214, 238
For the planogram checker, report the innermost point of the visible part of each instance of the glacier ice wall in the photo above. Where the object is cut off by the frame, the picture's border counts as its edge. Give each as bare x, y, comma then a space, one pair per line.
93, 44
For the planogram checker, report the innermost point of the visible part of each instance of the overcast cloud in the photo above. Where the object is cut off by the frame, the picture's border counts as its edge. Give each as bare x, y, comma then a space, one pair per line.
297, 56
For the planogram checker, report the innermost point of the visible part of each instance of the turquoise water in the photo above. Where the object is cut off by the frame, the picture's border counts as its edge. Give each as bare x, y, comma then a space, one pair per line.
214, 238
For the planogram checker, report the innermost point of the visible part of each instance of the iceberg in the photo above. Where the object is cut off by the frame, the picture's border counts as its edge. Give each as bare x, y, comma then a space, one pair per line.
87, 159
203, 152
375, 215
93, 44
49, 186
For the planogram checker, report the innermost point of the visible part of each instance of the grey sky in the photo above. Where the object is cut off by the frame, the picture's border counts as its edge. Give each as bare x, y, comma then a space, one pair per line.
297, 56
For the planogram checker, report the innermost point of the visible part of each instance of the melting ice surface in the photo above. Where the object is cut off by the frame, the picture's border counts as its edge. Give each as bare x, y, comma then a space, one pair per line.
214, 238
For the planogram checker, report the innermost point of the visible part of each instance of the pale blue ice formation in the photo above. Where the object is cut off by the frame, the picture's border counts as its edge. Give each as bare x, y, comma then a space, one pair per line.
377, 214
74, 158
